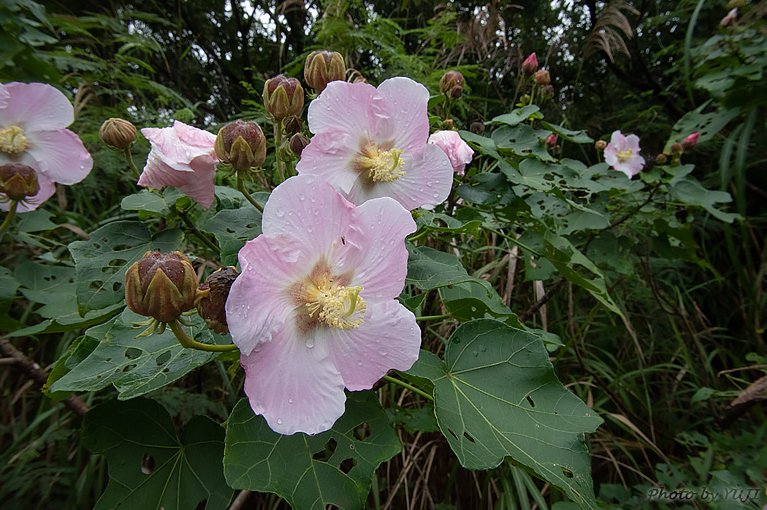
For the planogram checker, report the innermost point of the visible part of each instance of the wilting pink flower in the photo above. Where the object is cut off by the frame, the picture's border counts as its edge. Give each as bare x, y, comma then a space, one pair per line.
458, 152
183, 157
690, 142
33, 121
371, 143
622, 153
315, 307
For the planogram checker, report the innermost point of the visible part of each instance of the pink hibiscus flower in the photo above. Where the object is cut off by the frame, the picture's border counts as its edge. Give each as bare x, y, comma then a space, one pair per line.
622, 153
183, 157
371, 143
315, 307
458, 152
33, 121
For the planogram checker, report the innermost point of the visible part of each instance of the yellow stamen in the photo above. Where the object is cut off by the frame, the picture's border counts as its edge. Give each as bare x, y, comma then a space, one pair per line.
382, 165
338, 306
626, 155
12, 140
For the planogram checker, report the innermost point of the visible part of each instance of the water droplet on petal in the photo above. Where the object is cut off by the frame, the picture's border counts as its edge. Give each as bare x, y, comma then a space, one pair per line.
310, 342
290, 401
279, 421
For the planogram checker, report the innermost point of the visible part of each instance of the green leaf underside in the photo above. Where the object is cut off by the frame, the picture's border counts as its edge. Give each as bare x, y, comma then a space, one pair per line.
304, 469
136, 365
497, 395
102, 260
181, 473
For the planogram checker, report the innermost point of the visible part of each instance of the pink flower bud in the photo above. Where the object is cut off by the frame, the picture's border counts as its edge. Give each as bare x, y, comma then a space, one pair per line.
551, 141
449, 81
690, 141
530, 65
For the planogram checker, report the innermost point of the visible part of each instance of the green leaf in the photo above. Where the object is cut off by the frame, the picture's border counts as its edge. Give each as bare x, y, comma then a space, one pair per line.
307, 470
482, 144
35, 221
579, 136
470, 300
233, 228
428, 269
8, 285
688, 190
517, 116
149, 465
522, 140
707, 125
488, 189
433, 222
420, 419
137, 365
146, 200
101, 261
497, 395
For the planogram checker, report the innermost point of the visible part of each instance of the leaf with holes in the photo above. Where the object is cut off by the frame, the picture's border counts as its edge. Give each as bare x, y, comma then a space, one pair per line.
497, 395
428, 269
137, 365
149, 465
335, 467
102, 260
233, 228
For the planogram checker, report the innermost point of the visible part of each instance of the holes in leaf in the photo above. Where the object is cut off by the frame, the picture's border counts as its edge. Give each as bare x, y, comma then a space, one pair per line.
96, 285
162, 358
453, 433
49, 278
121, 247
147, 464
347, 465
108, 360
116, 286
567, 472
229, 230
467, 436
362, 432
133, 353
104, 240
96, 245
327, 451
128, 368
114, 266
255, 225
530, 401
164, 370
71, 280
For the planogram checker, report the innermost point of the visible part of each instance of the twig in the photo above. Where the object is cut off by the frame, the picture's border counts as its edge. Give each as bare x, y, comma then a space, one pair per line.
553, 290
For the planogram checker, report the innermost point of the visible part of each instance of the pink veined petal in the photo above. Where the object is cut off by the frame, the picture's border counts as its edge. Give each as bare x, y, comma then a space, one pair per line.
310, 209
426, 183
407, 101
47, 189
379, 266
294, 386
330, 155
632, 142
194, 137
4, 96
167, 144
458, 152
611, 155
60, 155
618, 140
259, 300
194, 181
353, 108
36, 107
388, 339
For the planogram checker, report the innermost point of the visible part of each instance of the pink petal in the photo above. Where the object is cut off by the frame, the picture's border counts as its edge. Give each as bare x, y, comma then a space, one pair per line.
47, 189
618, 140
294, 386
378, 229
330, 155
195, 137
353, 108
36, 107
388, 339
458, 152
408, 102
60, 155
259, 301
4, 96
310, 209
632, 142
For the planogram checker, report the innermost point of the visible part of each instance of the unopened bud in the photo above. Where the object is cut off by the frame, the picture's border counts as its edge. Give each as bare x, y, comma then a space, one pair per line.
18, 181
322, 67
661, 159
448, 124
117, 133
449, 81
298, 143
161, 286
283, 97
600, 145
676, 149
477, 127
548, 91
551, 141
241, 144
293, 125
676, 162
690, 142
211, 298
530, 65
456, 92
542, 77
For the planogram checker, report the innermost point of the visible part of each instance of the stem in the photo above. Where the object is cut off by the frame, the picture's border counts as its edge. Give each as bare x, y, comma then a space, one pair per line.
132, 165
10, 216
188, 343
408, 386
277, 143
241, 187
202, 237
433, 317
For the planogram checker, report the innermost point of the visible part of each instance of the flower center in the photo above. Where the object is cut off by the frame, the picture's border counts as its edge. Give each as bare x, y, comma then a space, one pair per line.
338, 306
382, 165
12, 140
626, 155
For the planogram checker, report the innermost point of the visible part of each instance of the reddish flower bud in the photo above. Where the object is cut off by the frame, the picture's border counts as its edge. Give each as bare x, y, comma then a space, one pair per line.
241, 144
448, 124
530, 65
298, 143
477, 127
322, 67
542, 77
117, 133
551, 141
661, 159
449, 81
690, 141
18, 181
676, 149
211, 298
600, 145
161, 286
283, 97
293, 125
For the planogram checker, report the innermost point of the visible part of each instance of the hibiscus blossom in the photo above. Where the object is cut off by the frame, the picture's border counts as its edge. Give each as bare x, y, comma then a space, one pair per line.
458, 152
622, 153
371, 143
183, 157
315, 307
33, 121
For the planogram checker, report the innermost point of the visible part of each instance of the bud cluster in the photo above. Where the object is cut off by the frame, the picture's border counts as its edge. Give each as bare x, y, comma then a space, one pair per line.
451, 84
241, 144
